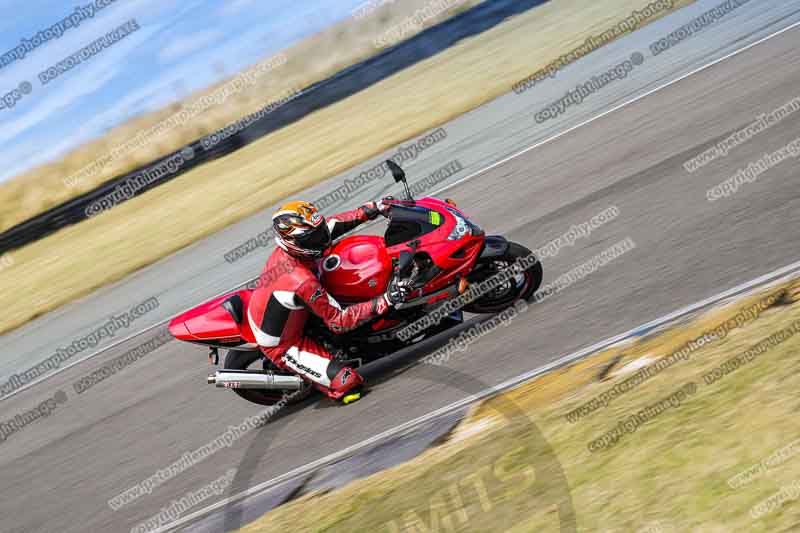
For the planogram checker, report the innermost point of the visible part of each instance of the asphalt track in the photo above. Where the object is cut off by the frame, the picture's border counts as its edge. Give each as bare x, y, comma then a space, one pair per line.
59, 473
478, 139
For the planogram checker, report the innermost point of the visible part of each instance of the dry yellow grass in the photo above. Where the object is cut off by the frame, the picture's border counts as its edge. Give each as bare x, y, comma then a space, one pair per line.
81, 258
556, 385
670, 475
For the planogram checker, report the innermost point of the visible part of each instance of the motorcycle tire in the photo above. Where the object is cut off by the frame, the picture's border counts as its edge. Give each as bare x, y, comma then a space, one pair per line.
516, 289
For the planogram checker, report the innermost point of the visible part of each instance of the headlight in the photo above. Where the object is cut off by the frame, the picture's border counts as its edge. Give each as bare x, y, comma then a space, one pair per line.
460, 231
462, 228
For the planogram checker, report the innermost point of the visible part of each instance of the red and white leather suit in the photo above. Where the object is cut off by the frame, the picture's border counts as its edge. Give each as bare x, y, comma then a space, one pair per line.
278, 311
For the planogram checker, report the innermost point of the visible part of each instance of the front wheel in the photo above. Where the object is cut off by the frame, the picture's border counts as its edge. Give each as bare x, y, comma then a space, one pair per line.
240, 360
521, 286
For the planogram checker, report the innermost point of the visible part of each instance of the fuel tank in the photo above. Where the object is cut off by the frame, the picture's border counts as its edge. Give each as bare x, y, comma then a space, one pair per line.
357, 268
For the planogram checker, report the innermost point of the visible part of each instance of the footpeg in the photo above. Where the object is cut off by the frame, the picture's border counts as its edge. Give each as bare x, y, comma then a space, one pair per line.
352, 363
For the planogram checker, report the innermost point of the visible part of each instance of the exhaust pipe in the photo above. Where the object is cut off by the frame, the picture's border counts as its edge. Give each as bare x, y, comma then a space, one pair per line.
233, 379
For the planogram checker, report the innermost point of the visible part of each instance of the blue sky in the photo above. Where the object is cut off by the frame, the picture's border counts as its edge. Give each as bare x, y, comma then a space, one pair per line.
183, 45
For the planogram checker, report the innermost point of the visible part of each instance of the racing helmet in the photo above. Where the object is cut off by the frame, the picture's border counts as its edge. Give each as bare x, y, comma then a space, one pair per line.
301, 230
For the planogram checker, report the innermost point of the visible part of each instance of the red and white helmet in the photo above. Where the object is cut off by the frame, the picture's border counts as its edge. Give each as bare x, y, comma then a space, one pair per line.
301, 230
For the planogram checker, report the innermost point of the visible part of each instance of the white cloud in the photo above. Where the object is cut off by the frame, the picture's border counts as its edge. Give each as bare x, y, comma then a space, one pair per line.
65, 92
234, 6
39, 116
184, 46
57, 100
85, 79
145, 71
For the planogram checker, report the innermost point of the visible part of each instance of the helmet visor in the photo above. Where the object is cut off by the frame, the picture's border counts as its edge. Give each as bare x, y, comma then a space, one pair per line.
318, 239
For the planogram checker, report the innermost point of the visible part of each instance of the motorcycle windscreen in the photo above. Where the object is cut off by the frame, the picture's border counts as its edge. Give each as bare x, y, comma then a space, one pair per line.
409, 223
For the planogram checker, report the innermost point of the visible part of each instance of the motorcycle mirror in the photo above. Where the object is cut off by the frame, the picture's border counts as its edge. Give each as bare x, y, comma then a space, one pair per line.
397, 171
399, 177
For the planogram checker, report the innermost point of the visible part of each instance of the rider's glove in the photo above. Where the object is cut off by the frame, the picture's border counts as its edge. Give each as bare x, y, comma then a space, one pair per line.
384, 207
397, 292
373, 209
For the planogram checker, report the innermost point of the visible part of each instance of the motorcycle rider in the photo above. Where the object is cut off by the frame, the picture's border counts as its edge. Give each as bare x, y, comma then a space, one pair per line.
280, 305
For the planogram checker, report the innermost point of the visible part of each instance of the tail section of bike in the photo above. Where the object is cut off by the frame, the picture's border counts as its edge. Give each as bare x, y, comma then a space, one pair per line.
220, 323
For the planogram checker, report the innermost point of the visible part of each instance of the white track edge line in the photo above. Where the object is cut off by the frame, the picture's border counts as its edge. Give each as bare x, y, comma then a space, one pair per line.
613, 109
508, 384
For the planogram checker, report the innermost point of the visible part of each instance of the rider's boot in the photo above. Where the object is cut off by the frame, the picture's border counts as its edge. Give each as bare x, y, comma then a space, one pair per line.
346, 384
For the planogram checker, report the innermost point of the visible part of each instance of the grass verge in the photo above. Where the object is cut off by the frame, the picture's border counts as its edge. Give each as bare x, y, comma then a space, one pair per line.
676, 472
79, 259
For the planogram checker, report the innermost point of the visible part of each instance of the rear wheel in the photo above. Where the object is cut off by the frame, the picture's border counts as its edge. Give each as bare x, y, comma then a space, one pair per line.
520, 287
240, 360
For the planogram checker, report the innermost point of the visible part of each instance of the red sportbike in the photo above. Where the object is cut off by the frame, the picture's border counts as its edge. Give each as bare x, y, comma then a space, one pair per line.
429, 243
